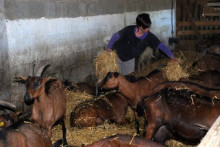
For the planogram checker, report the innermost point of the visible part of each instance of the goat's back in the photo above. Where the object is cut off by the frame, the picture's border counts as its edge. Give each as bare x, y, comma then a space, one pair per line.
24, 135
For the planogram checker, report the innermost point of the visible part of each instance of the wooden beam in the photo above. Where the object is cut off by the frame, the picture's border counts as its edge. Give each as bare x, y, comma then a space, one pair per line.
198, 23
213, 4
187, 42
192, 32
211, 11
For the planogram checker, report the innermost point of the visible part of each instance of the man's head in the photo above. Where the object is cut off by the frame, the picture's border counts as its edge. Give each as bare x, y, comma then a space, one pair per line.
143, 21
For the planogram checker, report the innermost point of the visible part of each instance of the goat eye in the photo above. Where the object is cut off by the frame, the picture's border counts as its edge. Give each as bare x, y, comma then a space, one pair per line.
36, 85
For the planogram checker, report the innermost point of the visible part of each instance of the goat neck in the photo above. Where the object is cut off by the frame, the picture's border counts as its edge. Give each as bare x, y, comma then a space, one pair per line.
129, 90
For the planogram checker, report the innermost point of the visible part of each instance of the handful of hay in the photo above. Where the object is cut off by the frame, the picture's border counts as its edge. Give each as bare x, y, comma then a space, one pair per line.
106, 62
174, 71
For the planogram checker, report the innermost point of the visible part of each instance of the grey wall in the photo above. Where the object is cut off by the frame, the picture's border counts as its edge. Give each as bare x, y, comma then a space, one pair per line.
19, 9
67, 34
4, 62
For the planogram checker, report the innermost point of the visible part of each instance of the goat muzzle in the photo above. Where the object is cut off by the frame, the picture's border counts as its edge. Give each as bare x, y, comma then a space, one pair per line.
27, 99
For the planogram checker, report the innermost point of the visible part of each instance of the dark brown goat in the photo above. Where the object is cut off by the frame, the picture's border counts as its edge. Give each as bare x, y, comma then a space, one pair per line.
210, 78
93, 112
82, 87
199, 89
49, 106
133, 91
208, 62
8, 115
215, 48
120, 140
25, 134
186, 115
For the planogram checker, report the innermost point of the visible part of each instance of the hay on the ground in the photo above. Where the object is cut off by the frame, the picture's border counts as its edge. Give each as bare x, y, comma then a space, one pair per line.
174, 71
106, 62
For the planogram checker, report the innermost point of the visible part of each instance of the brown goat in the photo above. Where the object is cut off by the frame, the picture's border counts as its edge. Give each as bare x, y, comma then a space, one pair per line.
82, 87
210, 78
208, 62
8, 115
133, 91
121, 140
196, 88
186, 115
49, 106
93, 112
25, 134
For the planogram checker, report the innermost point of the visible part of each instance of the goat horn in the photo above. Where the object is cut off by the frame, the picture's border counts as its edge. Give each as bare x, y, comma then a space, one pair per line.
40, 70
7, 104
31, 70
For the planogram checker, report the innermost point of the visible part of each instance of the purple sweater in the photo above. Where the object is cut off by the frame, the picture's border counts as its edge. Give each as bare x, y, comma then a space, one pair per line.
161, 46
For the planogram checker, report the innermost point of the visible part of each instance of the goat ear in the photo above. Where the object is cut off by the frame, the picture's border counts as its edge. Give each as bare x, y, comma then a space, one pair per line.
116, 74
20, 79
48, 84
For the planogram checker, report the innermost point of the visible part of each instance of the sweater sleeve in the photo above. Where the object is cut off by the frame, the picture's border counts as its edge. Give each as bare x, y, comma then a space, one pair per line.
166, 50
112, 40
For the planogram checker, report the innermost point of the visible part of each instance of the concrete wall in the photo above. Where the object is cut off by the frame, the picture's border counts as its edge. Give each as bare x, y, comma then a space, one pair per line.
67, 34
4, 58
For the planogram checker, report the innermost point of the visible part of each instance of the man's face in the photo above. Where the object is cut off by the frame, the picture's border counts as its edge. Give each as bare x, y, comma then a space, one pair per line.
144, 30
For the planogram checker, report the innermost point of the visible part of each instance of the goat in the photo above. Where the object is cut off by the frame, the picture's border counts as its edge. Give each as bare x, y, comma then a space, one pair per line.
196, 88
8, 115
214, 49
186, 115
210, 78
208, 62
49, 106
133, 91
88, 113
145, 56
82, 87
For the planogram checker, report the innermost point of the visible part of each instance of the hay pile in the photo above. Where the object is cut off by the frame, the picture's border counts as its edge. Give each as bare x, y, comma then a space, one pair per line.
106, 62
174, 71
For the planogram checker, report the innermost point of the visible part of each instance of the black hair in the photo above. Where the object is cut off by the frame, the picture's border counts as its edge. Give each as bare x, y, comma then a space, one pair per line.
143, 20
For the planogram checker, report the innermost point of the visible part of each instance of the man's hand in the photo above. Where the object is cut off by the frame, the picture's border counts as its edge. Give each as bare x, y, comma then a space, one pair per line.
174, 59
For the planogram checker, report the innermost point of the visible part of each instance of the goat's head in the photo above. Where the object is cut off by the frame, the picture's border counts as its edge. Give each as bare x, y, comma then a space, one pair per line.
111, 81
35, 85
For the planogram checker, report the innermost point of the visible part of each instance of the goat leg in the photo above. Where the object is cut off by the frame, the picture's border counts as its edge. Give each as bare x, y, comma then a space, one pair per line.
137, 125
151, 128
64, 133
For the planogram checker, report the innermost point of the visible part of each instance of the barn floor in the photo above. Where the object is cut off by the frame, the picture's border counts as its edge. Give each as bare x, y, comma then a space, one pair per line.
77, 136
